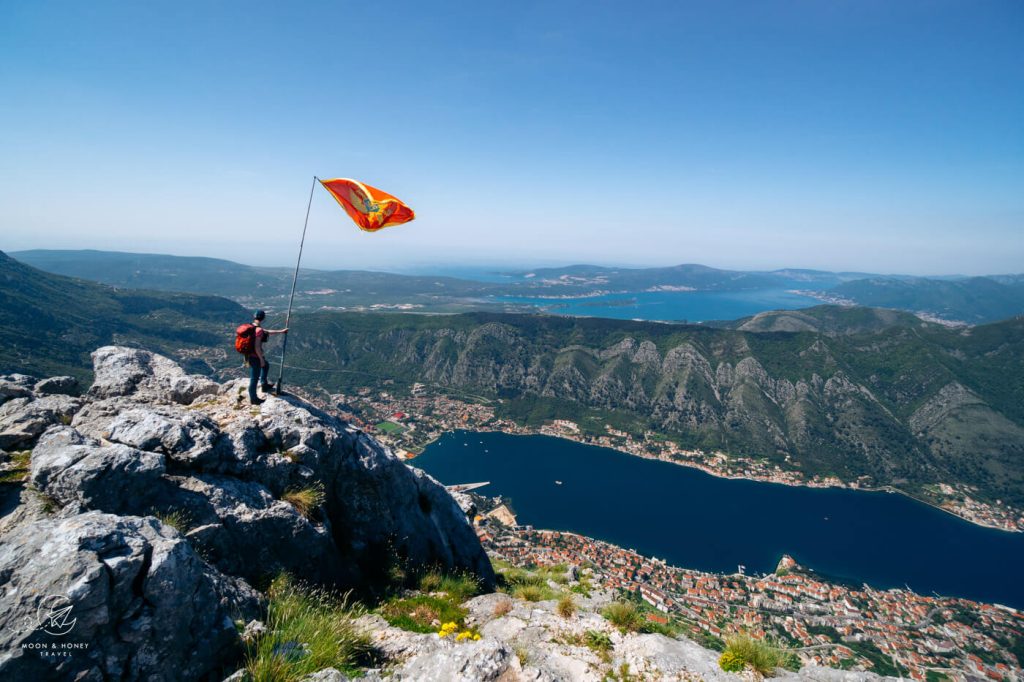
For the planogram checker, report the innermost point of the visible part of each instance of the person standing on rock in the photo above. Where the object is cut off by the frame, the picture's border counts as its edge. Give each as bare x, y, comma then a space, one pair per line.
258, 365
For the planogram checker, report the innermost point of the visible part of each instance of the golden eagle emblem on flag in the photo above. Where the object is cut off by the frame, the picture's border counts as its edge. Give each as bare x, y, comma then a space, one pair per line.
371, 209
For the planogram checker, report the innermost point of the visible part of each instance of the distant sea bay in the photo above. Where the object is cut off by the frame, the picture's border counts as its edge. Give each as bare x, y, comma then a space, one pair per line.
671, 306
694, 520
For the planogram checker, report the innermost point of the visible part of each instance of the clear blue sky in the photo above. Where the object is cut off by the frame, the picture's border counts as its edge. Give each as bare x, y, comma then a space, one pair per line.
862, 135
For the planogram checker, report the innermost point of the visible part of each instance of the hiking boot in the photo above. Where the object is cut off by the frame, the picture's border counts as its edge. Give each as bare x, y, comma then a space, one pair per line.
257, 401
267, 388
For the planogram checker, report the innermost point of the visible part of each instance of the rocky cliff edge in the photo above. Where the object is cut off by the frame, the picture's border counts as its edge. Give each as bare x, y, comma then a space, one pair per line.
158, 499
156, 502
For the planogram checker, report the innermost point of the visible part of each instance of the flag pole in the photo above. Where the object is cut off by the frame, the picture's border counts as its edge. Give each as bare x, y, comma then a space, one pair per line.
295, 278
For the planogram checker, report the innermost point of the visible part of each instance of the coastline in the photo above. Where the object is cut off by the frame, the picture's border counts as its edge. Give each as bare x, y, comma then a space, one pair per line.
836, 483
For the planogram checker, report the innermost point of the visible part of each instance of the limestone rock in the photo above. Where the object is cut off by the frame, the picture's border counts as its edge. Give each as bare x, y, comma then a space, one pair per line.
659, 656
57, 386
482, 661
24, 419
243, 530
123, 371
224, 470
326, 675
157, 602
142, 604
253, 630
77, 471
15, 386
378, 505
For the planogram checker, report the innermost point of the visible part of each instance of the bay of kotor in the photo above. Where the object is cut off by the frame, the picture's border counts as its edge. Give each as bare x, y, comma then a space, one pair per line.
694, 520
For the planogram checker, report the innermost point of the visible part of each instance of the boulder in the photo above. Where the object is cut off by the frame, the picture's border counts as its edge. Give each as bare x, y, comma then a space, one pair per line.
95, 597
244, 530
147, 430
121, 371
75, 470
23, 419
655, 655
57, 386
380, 508
15, 386
480, 661
190, 439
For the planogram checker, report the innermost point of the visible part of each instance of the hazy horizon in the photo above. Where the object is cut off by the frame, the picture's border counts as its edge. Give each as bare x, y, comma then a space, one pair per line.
870, 136
503, 267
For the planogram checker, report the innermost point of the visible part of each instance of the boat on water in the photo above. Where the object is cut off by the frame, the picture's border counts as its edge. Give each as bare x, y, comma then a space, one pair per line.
558, 483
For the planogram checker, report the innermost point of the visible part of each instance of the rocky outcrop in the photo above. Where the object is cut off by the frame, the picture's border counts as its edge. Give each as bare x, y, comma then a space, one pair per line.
16, 386
57, 386
244, 493
158, 498
26, 417
529, 641
146, 376
81, 474
97, 597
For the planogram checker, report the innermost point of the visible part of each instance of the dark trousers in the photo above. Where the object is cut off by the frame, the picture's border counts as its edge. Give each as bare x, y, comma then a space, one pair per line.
257, 375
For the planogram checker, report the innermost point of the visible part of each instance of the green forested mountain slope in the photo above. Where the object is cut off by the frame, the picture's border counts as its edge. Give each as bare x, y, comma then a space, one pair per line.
825, 319
970, 299
856, 393
52, 323
907, 404
266, 287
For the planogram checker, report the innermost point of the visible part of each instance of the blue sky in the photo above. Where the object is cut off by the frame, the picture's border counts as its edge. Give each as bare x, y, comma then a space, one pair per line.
859, 135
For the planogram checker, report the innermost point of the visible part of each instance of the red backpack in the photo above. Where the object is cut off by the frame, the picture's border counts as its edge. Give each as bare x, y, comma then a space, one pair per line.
245, 339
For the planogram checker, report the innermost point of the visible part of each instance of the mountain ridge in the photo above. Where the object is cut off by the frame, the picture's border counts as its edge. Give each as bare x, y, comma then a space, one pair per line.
973, 300
905, 405
901, 401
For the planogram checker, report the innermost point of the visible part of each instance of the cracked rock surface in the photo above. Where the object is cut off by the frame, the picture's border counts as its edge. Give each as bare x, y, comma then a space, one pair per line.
157, 499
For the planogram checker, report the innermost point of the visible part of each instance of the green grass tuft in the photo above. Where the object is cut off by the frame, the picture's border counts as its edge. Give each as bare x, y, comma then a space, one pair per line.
17, 468
566, 607
742, 650
317, 623
177, 519
422, 613
305, 500
458, 586
625, 616
532, 593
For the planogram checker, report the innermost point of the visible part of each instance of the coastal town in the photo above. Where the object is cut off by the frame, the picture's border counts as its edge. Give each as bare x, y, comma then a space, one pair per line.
891, 632
408, 423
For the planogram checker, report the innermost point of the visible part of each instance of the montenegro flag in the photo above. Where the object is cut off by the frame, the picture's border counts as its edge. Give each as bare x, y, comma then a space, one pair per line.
370, 208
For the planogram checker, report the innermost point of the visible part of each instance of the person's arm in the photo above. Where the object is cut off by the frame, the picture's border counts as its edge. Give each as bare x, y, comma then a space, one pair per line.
277, 331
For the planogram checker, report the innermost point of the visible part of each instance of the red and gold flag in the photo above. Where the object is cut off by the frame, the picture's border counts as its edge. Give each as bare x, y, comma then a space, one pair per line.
369, 207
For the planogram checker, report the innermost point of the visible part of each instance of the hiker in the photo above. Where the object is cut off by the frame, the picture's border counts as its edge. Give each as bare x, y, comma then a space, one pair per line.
250, 340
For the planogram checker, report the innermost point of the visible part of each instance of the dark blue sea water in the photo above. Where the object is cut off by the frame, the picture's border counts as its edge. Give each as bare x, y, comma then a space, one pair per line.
692, 306
694, 520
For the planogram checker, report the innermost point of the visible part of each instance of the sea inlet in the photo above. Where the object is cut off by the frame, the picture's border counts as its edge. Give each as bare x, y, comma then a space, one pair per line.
694, 520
